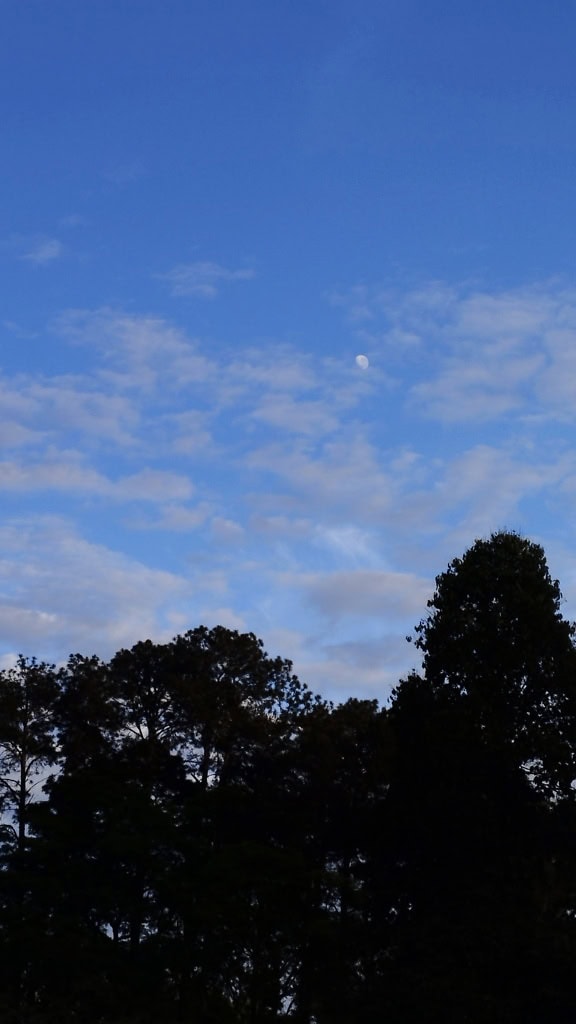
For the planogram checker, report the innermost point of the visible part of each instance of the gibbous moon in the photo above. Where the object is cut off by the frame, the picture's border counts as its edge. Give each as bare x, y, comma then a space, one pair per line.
362, 362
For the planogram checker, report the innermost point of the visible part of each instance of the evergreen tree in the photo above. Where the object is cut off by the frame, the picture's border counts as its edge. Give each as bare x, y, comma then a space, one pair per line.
496, 637
485, 762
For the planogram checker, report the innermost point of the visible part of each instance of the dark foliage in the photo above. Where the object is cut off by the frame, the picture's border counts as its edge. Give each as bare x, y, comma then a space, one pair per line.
190, 835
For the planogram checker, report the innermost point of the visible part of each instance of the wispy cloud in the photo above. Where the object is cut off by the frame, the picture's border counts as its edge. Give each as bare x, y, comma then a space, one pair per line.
202, 278
67, 472
125, 173
63, 593
175, 518
368, 593
49, 407
277, 485
43, 251
471, 355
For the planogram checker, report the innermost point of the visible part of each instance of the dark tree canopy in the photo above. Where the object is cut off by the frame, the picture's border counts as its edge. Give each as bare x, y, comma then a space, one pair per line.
190, 835
496, 637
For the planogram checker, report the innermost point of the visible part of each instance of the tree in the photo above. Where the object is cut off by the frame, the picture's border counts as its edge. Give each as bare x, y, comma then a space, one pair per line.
87, 713
228, 691
28, 695
343, 771
495, 636
166, 823
482, 795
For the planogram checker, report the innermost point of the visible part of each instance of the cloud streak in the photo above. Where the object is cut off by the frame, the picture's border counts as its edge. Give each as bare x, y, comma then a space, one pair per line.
276, 487
43, 252
62, 593
202, 279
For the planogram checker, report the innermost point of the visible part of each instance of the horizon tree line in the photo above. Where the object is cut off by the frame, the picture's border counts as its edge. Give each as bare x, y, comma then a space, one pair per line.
189, 834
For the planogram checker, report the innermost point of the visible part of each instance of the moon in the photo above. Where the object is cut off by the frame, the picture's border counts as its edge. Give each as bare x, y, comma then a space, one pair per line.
362, 362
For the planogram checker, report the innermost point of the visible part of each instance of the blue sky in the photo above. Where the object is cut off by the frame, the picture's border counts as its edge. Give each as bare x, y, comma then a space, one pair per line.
209, 210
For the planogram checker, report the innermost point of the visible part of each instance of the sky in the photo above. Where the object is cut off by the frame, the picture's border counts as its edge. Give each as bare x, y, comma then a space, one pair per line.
209, 210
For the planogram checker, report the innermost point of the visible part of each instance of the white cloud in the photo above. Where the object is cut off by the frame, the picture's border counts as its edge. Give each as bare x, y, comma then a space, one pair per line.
43, 252
276, 367
202, 278
156, 485
63, 593
472, 355
366, 668
227, 531
146, 353
296, 416
64, 404
368, 593
17, 330
282, 526
15, 435
556, 384
349, 542
286, 492
341, 479
176, 518
40, 407
67, 472
56, 473
479, 387
187, 433
224, 616
486, 486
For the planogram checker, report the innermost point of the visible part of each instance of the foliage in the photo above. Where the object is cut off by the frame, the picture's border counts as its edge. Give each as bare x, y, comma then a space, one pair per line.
191, 835
496, 637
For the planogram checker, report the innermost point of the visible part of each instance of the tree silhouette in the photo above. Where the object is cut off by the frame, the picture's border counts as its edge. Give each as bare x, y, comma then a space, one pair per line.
215, 844
485, 764
495, 636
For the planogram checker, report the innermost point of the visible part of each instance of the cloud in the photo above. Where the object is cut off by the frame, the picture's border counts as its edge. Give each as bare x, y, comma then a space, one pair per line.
62, 593
224, 616
349, 542
14, 435
65, 404
227, 531
187, 433
73, 220
484, 386
491, 485
144, 351
296, 416
57, 473
368, 593
342, 479
280, 488
177, 518
68, 473
364, 668
155, 485
202, 278
48, 406
280, 368
17, 330
43, 252
470, 355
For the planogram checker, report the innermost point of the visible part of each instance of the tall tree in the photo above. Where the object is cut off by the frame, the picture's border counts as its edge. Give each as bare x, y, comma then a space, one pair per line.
485, 767
228, 689
166, 819
88, 714
495, 636
28, 695
343, 771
